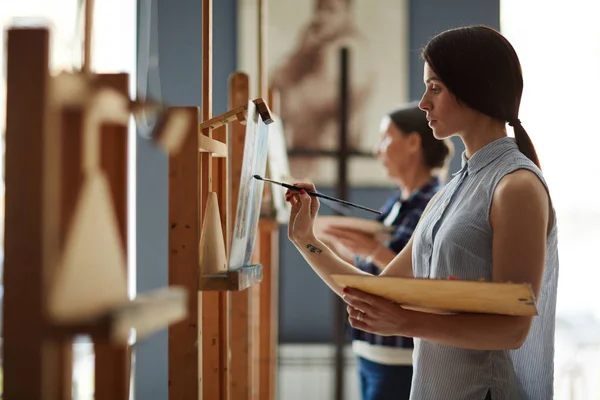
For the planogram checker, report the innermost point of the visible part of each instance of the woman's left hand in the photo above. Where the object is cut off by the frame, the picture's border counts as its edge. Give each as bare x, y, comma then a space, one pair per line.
356, 242
375, 314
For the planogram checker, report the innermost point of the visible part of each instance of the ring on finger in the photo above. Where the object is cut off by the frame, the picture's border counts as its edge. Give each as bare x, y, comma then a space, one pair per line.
359, 316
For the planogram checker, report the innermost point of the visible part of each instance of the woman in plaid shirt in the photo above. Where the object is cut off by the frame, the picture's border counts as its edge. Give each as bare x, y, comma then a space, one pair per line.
413, 159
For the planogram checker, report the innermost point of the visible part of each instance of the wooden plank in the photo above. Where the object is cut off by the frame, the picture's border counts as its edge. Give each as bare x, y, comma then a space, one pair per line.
219, 179
71, 122
170, 130
147, 313
210, 145
213, 372
112, 362
237, 113
183, 262
262, 42
30, 363
207, 58
269, 249
210, 332
269, 308
263, 110
234, 280
113, 371
88, 34
238, 305
444, 295
211, 337
113, 153
254, 326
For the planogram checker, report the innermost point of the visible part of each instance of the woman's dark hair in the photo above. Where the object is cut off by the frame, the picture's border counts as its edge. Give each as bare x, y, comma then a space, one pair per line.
409, 119
481, 68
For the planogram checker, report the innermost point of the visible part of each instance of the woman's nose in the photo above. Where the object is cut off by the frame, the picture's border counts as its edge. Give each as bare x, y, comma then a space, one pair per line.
424, 104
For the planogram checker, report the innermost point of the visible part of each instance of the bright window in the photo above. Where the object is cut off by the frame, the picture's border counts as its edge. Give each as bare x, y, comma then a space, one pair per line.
558, 43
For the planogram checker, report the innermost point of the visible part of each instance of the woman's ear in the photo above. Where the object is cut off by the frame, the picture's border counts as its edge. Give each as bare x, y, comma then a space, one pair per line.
414, 141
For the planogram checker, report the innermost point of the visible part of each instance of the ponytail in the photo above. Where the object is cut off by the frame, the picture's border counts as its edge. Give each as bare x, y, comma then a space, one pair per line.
524, 142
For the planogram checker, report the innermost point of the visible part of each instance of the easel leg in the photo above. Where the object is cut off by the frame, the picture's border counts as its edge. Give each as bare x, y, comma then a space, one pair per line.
112, 362
185, 345
238, 307
30, 361
268, 309
112, 365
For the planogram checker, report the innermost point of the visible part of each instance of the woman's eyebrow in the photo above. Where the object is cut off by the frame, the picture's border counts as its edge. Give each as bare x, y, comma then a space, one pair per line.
433, 78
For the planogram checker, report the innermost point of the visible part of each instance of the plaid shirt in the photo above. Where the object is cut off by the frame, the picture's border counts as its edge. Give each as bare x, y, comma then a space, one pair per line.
404, 224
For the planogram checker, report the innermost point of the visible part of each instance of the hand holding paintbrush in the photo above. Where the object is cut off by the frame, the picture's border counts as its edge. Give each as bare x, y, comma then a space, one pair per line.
316, 194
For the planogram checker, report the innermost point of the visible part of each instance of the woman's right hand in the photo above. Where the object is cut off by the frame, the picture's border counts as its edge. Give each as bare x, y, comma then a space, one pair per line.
304, 211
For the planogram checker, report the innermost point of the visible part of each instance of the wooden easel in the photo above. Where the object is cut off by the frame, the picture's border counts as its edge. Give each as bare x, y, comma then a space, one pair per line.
66, 218
200, 209
203, 182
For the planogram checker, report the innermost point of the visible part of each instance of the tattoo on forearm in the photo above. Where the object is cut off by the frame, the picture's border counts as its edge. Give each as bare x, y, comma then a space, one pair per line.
314, 249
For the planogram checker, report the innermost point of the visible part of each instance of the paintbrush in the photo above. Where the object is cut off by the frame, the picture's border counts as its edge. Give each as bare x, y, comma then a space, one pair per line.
320, 195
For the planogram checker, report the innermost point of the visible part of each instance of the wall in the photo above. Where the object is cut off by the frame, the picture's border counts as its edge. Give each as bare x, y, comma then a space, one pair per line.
177, 34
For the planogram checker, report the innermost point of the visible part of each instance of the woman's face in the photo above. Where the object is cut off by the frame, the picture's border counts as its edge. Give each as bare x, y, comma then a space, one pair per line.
446, 116
396, 150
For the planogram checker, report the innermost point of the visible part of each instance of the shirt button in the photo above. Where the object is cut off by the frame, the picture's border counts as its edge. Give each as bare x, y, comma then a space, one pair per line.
429, 247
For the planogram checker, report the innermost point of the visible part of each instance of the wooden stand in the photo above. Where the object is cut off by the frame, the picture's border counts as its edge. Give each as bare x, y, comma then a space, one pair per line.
66, 218
264, 306
202, 195
201, 200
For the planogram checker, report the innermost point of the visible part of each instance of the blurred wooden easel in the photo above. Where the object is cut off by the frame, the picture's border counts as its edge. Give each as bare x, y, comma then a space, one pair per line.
66, 225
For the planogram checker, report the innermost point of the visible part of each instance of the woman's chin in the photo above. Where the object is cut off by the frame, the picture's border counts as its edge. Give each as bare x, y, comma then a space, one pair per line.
441, 134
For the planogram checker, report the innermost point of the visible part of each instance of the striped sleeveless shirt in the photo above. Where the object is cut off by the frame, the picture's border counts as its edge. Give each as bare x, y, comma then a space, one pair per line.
455, 238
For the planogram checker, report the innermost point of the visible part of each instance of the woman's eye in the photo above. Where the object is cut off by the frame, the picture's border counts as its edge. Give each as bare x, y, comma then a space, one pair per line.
435, 89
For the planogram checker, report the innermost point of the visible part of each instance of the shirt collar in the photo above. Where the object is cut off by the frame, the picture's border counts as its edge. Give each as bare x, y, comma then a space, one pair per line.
486, 155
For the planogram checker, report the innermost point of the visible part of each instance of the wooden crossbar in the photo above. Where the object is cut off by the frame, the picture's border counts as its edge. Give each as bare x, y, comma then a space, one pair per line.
209, 145
237, 113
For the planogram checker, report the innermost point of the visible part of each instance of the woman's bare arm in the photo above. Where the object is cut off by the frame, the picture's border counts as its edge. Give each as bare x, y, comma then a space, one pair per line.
325, 262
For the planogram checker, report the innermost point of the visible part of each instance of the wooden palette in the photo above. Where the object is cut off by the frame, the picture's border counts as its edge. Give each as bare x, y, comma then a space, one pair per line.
447, 296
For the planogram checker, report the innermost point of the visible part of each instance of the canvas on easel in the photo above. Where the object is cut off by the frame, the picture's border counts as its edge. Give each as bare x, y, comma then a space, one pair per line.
251, 190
